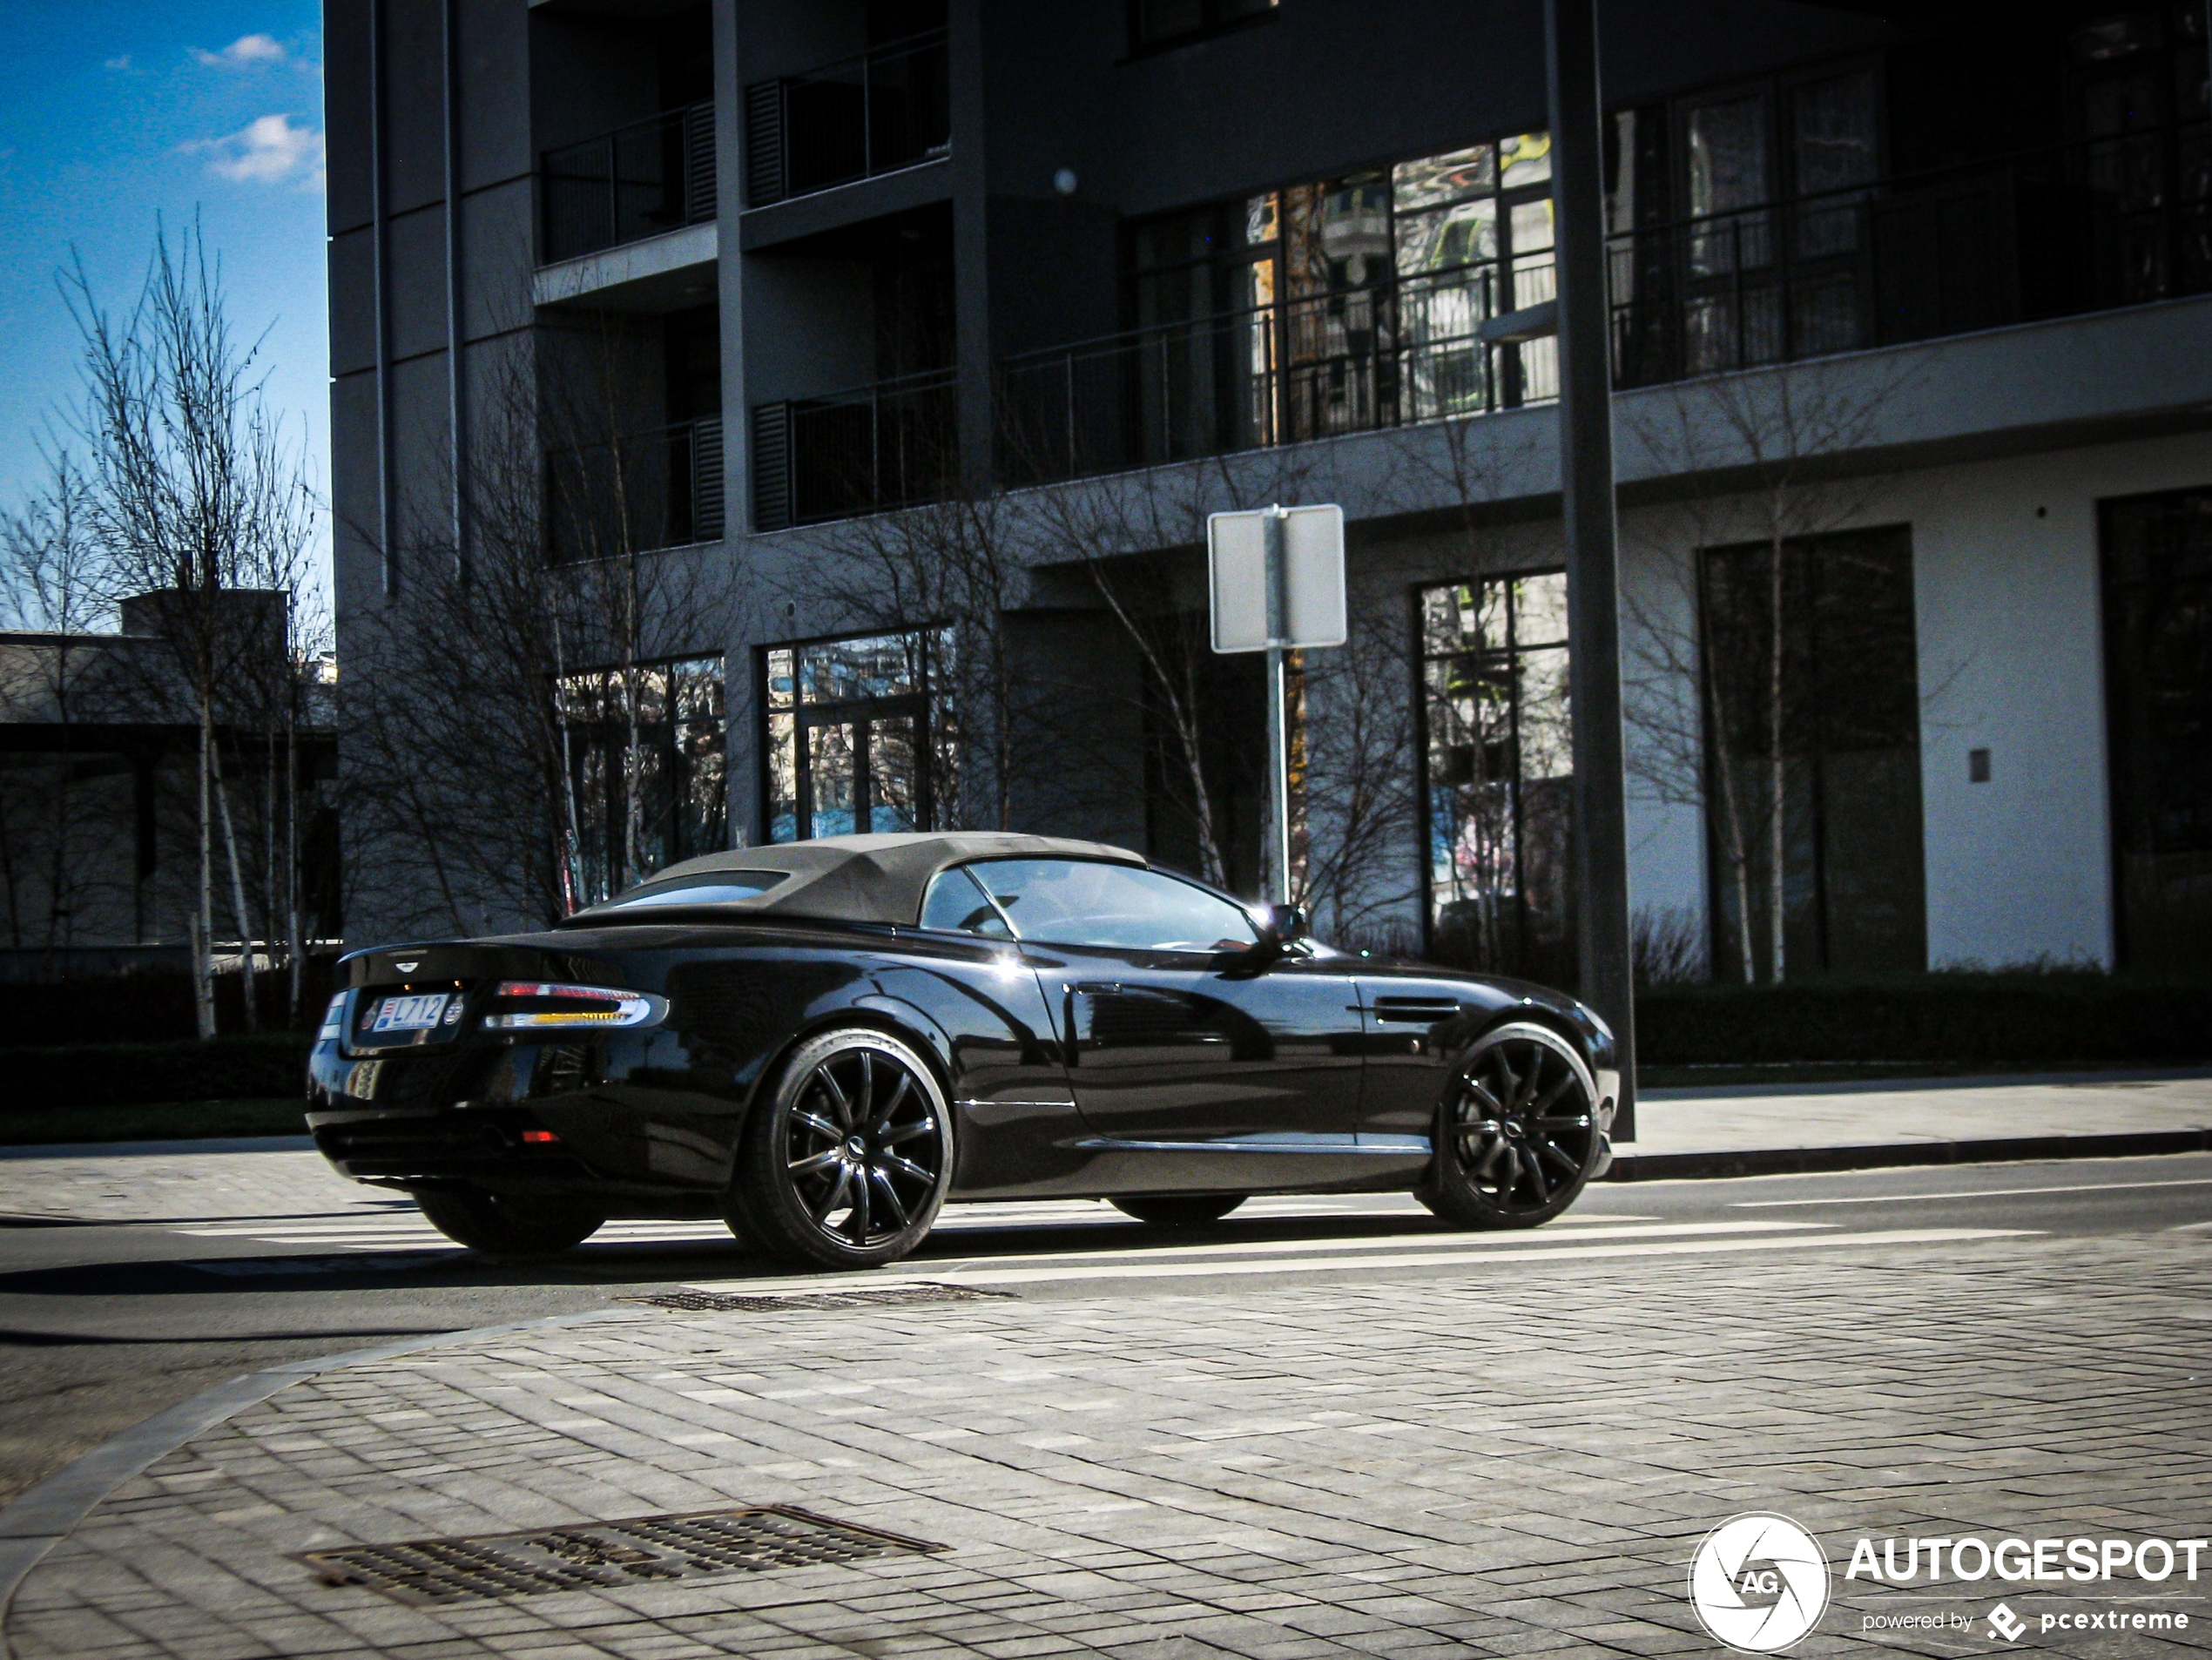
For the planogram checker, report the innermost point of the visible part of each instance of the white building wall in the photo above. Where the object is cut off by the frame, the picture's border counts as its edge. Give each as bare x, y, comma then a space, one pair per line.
2019, 869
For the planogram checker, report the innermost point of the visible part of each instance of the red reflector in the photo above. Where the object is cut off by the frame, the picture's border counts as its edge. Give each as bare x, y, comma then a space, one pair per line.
539, 1136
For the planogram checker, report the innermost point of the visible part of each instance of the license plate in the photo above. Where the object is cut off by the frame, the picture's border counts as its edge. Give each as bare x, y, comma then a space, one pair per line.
411, 1012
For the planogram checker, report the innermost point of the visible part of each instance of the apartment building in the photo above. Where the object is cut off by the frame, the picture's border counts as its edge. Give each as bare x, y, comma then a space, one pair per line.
903, 345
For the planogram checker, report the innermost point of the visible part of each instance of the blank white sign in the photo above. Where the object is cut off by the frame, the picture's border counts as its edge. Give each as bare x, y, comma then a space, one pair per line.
1312, 578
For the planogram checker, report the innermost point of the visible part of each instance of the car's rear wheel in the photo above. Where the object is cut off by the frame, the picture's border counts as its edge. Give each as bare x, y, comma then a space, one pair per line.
846, 1161
1517, 1134
1179, 1210
508, 1224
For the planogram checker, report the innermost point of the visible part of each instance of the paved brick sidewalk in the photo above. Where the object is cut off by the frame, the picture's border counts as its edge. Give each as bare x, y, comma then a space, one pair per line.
1501, 1460
1763, 1118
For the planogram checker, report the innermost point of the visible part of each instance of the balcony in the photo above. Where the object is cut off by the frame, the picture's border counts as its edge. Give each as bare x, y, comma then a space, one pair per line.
889, 445
624, 186
1355, 359
886, 109
2051, 232
636, 493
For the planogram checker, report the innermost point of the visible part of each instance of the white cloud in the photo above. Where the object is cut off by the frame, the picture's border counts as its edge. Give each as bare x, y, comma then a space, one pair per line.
242, 53
122, 62
270, 150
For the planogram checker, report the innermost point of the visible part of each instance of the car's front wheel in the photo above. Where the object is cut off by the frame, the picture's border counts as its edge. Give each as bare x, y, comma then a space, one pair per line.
846, 1162
507, 1225
1179, 1210
1517, 1134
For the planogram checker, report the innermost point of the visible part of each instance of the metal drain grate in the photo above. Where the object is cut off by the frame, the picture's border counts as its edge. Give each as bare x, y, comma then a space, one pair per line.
775, 1302
646, 1550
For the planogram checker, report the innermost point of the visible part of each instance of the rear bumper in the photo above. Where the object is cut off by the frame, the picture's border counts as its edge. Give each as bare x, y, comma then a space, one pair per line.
426, 1147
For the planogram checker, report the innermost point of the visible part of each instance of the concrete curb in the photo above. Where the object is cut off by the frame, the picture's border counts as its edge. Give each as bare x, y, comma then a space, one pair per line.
42, 1516
1888, 1155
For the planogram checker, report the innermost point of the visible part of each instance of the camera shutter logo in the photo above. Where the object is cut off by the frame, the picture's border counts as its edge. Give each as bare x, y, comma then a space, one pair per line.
1759, 1582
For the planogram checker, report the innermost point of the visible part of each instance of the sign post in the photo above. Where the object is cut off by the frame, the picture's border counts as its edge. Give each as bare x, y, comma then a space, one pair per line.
1275, 583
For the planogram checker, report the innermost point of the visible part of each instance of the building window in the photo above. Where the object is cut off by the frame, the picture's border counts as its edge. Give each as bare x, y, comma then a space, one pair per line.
644, 750
1497, 737
861, 736
2157, 558
1159, 23
1343, 305
1813, 756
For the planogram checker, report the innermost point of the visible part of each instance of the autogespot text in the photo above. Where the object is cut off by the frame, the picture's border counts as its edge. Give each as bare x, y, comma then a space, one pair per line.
2026, 1560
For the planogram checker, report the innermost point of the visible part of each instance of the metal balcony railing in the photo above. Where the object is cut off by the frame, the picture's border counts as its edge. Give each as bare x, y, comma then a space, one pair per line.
2050, 233
1356, 360
636, 492
623, 187
886, 109
888, 445
2053, 233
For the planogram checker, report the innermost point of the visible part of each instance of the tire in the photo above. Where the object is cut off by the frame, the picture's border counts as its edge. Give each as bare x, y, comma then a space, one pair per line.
846, 1160
1179, 1210
1516, 1138
508, 1224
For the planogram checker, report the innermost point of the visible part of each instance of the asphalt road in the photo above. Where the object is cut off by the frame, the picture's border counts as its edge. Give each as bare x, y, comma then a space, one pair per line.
103, 1325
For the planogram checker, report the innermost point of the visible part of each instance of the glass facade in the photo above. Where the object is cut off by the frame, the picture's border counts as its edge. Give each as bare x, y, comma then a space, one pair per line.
644, 750
1341, 305
1497, 746
2158, 701
1813, 756
860, 736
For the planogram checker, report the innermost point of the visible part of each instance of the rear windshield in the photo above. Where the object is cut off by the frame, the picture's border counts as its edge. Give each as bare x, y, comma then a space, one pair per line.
710, 887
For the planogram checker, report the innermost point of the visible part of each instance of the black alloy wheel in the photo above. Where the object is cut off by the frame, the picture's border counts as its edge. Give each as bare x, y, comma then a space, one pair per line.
508, 1224
1517, 1134
846, 1163
1179, 1210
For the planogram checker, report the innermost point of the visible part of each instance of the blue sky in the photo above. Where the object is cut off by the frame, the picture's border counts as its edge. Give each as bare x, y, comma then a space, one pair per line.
116, 112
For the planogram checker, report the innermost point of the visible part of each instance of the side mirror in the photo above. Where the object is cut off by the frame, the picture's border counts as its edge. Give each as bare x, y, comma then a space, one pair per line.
1284, 925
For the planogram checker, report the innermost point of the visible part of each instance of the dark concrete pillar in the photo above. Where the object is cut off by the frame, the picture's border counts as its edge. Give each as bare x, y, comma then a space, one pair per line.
1593, 559
971, 247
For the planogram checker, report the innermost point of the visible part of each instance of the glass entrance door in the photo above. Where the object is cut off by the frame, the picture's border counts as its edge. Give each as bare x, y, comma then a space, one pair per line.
859, 770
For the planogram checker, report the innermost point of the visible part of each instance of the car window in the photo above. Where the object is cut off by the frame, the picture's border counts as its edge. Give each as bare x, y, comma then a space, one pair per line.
715, 888
1075, 901
956, 904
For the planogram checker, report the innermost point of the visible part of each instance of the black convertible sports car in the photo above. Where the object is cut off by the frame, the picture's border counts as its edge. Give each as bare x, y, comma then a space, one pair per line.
824, 1041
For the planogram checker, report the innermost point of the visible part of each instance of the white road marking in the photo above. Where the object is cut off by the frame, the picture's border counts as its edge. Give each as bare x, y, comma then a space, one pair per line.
390, 1229
1974, 1193
1483, 1242
991, 1276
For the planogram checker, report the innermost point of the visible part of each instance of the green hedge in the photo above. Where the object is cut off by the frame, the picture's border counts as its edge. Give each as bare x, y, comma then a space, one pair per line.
2042, 1020
270, 1066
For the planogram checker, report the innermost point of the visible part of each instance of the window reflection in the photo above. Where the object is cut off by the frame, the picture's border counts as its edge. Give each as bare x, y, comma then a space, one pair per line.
645, 748
1498, 737
1342, 305
861, 735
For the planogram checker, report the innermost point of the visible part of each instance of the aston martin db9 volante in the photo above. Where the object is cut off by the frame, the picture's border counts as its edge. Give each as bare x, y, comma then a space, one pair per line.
824, 1041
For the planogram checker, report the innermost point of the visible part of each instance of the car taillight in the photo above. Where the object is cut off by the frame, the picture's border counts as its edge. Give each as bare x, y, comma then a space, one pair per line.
333, 1021
533, 1006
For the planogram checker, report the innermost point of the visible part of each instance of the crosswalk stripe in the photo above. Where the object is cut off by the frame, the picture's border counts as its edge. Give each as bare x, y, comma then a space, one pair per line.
1485, 1243
1728, 1245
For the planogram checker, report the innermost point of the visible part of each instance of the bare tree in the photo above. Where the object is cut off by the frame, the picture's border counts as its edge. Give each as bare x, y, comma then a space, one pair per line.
951, 569
555, 621
1766, 448
49, 585
1132, 536
201, 510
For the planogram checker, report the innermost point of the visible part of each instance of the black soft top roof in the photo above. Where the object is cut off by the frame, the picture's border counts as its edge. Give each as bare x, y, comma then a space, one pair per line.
846, 879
